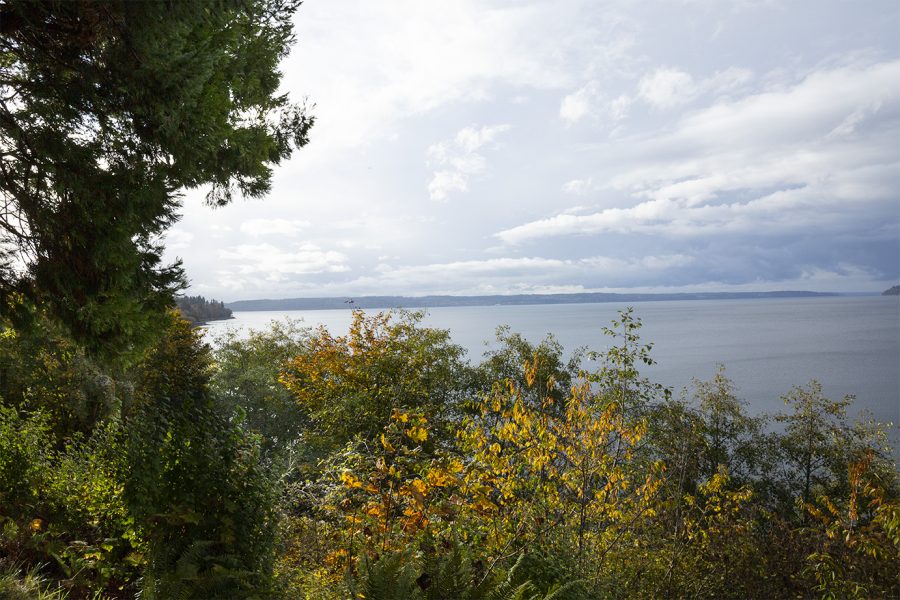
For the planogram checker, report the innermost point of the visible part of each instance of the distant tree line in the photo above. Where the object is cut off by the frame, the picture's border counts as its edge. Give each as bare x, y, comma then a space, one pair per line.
894, 291
417, 302
198, 310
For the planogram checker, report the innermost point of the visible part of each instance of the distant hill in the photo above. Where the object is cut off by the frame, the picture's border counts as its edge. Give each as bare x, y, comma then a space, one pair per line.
894, 291
198, 310
512, 300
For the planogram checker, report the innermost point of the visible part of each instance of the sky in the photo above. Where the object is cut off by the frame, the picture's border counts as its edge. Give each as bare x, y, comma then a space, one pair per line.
497, 147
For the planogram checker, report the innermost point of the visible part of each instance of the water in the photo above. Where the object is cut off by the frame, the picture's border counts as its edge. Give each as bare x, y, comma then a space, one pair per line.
849, 344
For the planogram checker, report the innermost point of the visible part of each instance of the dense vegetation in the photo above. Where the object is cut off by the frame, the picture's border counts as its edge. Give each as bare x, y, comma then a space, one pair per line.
381, 464
136, 461
198, 310
893, 291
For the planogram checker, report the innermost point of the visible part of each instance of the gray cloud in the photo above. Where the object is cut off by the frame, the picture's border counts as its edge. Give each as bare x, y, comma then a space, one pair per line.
818, 158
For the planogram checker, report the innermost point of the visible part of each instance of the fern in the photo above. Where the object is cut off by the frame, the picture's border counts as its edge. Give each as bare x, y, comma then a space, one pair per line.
199, 573
518, 585
452, 576
392, 577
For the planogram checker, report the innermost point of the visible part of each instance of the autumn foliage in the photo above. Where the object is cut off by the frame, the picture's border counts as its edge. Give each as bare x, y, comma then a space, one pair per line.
576, 490
381, 464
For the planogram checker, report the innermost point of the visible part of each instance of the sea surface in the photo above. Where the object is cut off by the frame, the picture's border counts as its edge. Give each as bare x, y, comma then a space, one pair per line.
851, 345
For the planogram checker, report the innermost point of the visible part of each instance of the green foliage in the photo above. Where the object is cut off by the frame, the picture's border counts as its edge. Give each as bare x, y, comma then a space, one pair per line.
714, 553
857, 541
107, 110
729, 432
245, 380
404, 576
513, 351
392, 577
197, 485
813, 434
43, 370
65, 513
618, 379
351, 385
24, 461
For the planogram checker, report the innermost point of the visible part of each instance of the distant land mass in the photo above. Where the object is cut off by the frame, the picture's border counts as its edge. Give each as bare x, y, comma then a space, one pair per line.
199, 311
386, 302
894, 291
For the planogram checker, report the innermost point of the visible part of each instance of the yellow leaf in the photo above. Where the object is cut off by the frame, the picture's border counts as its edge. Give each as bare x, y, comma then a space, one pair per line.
417, 434
439, 478
349, 480
417, 489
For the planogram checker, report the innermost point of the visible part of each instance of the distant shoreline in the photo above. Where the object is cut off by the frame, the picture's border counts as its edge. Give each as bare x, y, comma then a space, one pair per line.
413, 302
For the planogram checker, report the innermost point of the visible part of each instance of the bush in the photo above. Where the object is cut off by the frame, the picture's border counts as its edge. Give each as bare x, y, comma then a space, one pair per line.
197, 486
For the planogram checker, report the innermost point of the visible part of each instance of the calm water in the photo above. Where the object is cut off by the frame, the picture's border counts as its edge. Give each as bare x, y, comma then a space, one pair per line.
851, 345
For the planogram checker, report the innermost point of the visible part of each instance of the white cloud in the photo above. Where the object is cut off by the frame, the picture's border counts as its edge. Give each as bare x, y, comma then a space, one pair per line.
408, 57
470, 139
588, 102
578, 209
578, 104
443, 183
666, 88
505, 275
801, 111
662, 88
823, 207
579, 187
265, 227
459, 159
618, 108
272, 263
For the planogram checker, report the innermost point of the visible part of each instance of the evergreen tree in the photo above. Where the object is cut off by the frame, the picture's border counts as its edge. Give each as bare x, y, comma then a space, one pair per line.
107, 111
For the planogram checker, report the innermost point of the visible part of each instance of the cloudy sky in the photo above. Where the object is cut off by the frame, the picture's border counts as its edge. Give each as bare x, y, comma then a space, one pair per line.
499, 146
